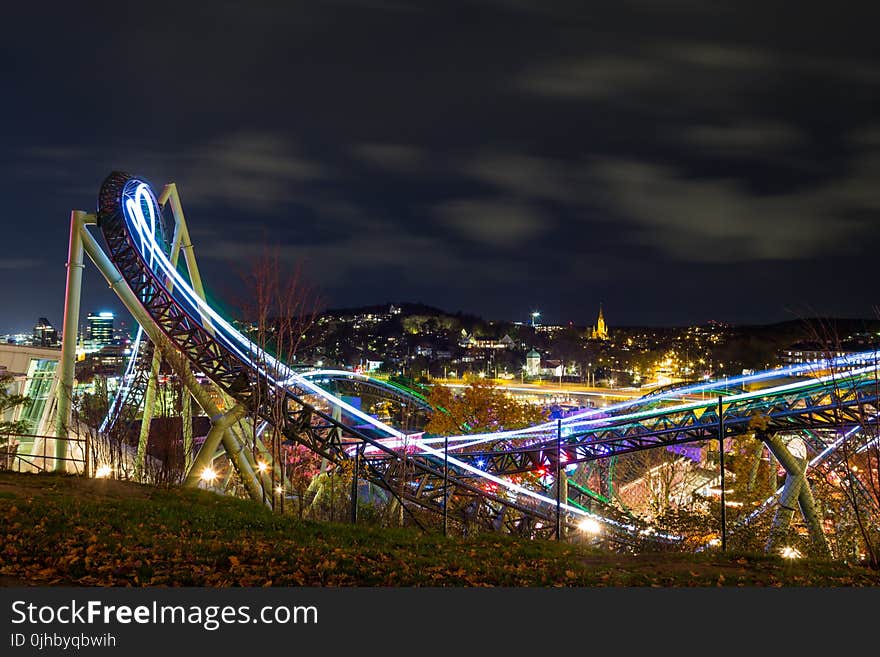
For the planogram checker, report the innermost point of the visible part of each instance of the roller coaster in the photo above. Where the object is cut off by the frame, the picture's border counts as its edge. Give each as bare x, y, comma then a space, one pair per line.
481, 478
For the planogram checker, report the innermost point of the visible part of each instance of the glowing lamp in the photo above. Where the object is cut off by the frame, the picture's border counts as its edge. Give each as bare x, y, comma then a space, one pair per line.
789, 552
590, 526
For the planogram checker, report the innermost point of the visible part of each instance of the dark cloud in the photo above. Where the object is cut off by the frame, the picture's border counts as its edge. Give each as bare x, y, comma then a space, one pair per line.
400, 158
745, 138
490, 155
719, 220
496, 223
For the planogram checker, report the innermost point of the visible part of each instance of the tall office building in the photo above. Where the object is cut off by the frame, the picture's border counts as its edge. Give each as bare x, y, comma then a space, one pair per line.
99, 331
45, 334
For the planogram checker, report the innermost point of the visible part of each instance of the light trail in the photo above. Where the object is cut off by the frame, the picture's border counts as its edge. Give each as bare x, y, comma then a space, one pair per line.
280, 375
135, 218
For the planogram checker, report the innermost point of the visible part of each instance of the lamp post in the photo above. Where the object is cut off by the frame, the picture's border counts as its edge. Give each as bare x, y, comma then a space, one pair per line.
445, 484
354, 485
558, 480
721, 460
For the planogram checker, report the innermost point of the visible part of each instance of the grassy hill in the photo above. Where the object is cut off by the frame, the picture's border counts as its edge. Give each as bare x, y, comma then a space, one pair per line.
59, 530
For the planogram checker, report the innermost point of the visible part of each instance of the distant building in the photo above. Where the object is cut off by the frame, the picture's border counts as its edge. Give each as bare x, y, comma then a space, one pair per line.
45, 334
99, 331
470, 342
33, 370
600, 332
109, 359
533, 363
808, 352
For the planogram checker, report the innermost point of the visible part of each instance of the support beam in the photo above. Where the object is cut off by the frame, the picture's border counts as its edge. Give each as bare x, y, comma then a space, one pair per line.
784, 513
120, 287
220, 424
183, 242
807, 505
796, 488
147, 417
187, 418
245, 433
67, 364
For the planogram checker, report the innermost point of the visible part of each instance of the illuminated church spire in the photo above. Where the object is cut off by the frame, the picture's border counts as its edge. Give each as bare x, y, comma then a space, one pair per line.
601, 330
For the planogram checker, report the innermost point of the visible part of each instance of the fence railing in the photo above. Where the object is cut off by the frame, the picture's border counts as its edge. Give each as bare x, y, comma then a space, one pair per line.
42, 454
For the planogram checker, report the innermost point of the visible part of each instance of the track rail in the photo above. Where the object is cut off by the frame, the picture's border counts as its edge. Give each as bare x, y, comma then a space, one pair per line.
256, 380
128, 215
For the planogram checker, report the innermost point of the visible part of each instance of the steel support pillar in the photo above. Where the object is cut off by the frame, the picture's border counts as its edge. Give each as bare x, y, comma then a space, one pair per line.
219, 425
147, 417
182, 242
242, 437
127, 297
67, 364
796, 489
187, 420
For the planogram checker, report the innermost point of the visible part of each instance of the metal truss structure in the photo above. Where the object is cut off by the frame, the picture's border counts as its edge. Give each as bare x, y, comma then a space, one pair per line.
840, 399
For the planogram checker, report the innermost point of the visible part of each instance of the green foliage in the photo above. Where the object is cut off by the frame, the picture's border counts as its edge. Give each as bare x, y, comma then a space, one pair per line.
9, 402
481, 407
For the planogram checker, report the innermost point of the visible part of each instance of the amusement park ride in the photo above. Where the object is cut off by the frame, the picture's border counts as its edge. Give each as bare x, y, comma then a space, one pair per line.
808, 411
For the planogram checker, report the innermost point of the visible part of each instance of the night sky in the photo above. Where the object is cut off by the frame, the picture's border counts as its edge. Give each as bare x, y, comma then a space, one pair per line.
678, 161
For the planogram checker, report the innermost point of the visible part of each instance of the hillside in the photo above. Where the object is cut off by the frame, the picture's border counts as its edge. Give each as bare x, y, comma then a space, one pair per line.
69, 531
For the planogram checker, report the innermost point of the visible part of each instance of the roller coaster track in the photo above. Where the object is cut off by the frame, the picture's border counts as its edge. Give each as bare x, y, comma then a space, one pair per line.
127, 216
133, 386
841, 399
479, 478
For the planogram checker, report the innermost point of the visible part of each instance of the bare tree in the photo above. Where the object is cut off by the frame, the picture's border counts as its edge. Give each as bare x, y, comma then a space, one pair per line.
851, 478
280, 307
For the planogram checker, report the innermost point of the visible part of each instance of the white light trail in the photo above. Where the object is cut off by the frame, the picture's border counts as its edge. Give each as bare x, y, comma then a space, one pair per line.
281, 375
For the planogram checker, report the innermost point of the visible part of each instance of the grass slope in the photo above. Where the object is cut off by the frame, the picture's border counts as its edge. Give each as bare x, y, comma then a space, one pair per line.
72, 531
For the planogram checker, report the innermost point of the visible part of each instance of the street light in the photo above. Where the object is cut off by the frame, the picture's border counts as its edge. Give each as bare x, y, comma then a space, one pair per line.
208, 476
262, 467
590, 526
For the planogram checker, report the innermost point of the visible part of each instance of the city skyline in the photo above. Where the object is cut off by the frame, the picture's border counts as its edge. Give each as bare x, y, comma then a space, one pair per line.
678, 165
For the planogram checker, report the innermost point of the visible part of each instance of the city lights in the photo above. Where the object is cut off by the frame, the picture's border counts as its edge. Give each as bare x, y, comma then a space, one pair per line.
584, 428
326, 323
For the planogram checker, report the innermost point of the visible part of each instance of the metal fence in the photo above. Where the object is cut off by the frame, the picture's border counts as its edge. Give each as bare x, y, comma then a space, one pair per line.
41, 455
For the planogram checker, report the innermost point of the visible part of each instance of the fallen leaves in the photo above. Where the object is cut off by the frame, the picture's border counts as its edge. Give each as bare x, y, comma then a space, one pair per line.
172, 538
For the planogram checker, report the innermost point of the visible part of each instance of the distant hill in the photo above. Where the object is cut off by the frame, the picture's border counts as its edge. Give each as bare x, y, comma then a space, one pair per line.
407, 309
795, 329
